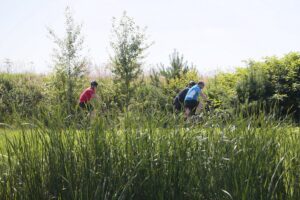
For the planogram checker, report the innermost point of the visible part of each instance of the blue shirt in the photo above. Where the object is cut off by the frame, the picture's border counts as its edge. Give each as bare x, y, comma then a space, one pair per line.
193, 93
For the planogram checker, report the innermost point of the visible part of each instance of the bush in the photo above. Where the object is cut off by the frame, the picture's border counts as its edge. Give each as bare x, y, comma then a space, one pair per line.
221, 89
21, 96
149, 98
274, 81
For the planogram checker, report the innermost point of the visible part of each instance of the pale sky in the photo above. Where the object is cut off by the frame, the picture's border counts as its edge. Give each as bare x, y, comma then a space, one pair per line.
212, 34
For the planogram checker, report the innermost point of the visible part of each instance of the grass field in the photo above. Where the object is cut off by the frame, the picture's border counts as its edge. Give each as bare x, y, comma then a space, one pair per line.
146, 157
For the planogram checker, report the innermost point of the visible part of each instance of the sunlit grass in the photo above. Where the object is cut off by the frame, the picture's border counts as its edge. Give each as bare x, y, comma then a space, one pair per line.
143, 156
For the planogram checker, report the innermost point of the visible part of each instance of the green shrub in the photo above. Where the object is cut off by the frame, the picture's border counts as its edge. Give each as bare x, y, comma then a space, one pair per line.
275, 81
21, 96
272, 85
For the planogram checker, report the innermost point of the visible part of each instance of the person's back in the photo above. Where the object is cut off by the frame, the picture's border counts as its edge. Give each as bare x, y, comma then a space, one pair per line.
182, 95
193, 93
87, 95
179, 99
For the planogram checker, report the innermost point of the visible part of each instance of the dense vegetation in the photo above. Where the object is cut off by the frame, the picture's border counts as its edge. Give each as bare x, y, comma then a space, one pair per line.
245, 145
272, 85
152, 156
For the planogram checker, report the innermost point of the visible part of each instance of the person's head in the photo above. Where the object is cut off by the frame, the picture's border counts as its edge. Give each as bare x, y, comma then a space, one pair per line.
94, 84
201, 84
191, 84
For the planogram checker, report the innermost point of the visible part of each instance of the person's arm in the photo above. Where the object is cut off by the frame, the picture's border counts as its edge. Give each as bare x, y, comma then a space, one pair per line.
203, 96
93, 94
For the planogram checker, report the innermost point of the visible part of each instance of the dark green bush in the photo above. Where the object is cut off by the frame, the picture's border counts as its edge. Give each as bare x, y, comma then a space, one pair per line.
21, 95
271, 84
274, 81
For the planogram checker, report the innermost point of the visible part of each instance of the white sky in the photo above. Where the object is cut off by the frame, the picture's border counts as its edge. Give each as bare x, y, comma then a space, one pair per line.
212, 34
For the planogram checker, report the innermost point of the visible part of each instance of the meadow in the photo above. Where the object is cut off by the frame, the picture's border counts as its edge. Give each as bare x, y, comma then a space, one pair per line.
138, 155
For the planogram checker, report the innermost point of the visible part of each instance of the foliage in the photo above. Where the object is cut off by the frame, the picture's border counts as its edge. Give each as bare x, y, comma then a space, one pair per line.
149, 98
69, 66
128, 44
221, 89
155, 78
270, 84
178, 67
176, 84
153, 156
149, 152
285, 79
21, 96
109, 99
275, 81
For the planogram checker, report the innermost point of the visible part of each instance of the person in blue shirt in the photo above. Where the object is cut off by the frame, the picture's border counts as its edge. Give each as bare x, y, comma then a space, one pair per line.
191, 99
179, 99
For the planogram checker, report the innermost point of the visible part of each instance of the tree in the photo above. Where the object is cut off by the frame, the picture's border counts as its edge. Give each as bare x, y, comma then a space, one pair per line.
70, 66
128, 43
178, 67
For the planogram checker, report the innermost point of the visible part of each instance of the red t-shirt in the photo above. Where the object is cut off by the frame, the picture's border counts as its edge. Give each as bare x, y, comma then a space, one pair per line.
86, 95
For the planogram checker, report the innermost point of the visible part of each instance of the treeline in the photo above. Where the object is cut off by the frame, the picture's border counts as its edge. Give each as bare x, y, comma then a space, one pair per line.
271, 85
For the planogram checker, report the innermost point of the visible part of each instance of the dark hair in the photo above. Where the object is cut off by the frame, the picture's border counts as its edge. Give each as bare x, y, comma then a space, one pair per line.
201, 83
94, 83
191, 83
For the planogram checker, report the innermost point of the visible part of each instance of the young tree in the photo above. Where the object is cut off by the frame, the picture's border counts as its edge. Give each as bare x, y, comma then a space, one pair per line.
128, 43
178, 67
70, 66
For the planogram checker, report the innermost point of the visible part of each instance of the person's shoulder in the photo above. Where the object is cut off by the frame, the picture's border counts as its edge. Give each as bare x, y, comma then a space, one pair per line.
92, 90
195, 87
185, 89
182, 92
88, 90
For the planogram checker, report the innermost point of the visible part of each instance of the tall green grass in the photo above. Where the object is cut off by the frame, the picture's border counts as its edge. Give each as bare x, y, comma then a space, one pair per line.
153, 156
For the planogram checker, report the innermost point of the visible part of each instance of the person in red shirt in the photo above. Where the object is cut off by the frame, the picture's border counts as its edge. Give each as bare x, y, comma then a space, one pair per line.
87, 95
